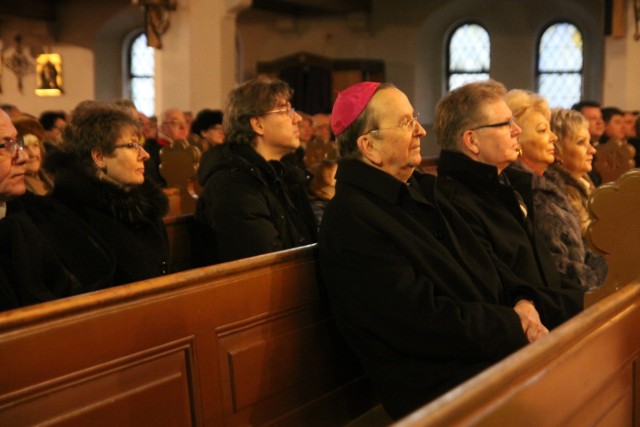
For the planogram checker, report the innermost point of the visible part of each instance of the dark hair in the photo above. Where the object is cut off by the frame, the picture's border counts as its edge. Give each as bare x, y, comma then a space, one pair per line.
462, 109
253, 98
95, 126
578, 106
206, 119
609, 112
48, 118
348, 139
7, 108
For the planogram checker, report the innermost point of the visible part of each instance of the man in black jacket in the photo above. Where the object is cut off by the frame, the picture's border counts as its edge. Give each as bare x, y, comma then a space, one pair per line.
423, 307
46, 252
251, 201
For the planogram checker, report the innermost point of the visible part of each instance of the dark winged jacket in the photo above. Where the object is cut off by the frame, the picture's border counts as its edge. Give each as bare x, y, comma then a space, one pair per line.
48, 253
129, 222
251, 206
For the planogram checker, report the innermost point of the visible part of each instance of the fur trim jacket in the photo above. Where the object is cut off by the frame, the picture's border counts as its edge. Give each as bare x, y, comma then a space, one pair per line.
130, 222
559, 222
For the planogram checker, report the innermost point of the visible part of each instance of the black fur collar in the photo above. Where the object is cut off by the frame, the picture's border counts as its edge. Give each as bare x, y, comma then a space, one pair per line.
141, 203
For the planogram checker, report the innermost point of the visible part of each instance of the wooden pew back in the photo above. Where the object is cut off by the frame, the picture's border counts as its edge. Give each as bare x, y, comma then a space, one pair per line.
615, 232
244, 343
584, 373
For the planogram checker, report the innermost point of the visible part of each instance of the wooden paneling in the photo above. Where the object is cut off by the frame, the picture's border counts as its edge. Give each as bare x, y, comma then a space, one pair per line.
584, 373
244, 343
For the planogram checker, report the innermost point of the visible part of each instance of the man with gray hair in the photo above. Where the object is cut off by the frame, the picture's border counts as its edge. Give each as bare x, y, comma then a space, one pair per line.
423, 309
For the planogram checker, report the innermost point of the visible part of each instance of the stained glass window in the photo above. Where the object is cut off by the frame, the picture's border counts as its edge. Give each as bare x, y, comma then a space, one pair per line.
468, 59
559, 71
141, 74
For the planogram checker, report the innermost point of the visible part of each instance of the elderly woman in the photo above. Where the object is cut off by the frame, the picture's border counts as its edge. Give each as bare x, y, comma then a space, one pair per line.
32, 134
479, 139
100, 176
554, 218
531, 112
560, 201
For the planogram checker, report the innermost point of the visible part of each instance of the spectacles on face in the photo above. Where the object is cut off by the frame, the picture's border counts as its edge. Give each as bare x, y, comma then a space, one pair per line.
289, 110
12, 145
511, 122
410, 124
175, 122
133, 145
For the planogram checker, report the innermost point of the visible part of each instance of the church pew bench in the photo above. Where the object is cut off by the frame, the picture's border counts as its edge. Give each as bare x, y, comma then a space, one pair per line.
249, 342
586, 372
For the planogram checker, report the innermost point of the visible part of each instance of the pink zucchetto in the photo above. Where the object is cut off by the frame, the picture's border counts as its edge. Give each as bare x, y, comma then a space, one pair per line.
350, 103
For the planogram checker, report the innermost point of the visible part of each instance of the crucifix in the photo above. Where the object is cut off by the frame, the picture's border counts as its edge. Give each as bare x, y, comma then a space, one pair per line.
156, 17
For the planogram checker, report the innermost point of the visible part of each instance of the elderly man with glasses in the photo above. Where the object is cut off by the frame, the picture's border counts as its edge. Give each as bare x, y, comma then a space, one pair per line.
422, 308
46, 252
253, 202
480, 129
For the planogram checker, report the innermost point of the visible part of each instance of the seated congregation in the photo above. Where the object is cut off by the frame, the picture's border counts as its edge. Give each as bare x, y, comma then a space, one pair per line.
430, 278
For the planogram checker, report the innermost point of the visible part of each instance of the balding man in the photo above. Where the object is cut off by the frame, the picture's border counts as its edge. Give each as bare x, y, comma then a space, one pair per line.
424, 309
173, 127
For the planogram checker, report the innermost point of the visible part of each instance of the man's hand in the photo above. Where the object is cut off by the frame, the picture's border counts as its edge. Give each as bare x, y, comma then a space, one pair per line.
530, 320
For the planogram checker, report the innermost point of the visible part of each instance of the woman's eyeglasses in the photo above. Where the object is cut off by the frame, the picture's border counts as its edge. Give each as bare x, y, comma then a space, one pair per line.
134, 145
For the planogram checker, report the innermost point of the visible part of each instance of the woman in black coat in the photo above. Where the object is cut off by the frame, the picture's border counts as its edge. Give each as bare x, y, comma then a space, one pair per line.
100, 176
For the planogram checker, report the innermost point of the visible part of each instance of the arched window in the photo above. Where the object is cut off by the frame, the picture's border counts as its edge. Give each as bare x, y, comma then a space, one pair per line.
559, 70
468, 55
141, 75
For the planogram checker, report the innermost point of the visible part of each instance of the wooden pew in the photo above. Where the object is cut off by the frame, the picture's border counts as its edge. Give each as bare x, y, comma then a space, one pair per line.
249, 342
180, 232
613, 159
586, 372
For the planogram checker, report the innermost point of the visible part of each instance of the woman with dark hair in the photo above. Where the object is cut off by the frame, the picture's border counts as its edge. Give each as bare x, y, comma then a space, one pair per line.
207, 129
100, 176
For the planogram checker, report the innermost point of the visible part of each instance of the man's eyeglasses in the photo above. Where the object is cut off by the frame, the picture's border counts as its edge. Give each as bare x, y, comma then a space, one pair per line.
175, 122
511, 122
12, 145
133, 145
289, 110
406, 125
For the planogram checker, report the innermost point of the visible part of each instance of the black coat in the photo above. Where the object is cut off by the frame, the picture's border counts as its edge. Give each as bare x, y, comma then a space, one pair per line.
421, 315
489, 204
129, 222
251, 205
48, 253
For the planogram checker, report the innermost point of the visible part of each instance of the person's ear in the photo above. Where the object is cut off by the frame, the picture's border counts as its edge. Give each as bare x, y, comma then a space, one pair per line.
470, 142
98, 159
366, 145
256, 125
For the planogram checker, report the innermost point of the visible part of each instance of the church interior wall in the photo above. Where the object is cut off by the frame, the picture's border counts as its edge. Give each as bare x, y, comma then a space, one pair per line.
410, 40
